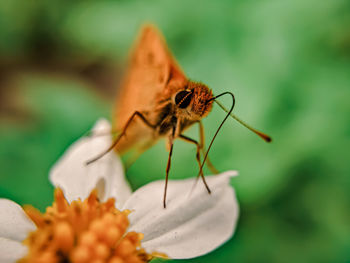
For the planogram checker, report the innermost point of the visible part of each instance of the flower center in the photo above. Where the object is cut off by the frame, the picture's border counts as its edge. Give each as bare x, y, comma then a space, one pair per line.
83, 231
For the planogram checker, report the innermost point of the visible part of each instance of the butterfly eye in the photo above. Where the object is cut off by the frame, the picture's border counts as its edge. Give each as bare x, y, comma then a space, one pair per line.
183, 98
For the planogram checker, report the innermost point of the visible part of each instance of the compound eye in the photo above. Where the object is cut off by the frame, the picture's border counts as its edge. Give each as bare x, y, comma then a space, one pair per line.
183, 98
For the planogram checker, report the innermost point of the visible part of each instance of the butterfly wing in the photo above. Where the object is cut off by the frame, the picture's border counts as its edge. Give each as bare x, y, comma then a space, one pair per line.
153, 76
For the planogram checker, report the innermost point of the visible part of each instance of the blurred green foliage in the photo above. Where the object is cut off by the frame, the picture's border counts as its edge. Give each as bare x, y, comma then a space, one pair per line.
287, 62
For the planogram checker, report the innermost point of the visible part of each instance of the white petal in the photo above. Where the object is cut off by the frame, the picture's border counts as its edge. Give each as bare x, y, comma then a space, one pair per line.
14, 223
106, 174
11, 251
191, 225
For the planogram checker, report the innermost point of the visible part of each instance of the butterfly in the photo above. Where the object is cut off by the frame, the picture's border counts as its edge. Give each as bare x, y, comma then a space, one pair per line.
157, 100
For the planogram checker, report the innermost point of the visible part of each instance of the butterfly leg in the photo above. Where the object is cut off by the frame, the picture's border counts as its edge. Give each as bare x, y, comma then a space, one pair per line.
198, 145
187, 139
201, 136
171, 143
136, 113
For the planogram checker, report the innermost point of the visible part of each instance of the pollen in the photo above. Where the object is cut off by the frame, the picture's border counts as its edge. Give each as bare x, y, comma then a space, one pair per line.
82, 232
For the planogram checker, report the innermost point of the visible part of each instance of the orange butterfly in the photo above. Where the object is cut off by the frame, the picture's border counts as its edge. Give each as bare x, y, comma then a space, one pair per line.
157, 100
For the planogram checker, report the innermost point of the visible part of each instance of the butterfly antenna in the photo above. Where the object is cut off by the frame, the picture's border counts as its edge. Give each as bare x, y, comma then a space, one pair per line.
262, 135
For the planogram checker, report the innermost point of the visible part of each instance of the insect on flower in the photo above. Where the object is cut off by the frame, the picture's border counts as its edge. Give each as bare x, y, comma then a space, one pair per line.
157, 100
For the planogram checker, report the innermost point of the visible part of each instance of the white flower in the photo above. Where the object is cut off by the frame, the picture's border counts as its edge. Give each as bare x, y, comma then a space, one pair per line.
190, 226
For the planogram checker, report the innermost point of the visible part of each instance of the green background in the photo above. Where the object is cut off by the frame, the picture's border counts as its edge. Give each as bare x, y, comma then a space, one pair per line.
287, 62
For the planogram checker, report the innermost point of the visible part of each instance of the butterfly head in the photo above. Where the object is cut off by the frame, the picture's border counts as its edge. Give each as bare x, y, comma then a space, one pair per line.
194, 100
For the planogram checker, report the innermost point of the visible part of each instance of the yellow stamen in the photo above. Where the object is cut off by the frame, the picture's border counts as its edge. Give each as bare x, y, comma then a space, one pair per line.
83, 232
